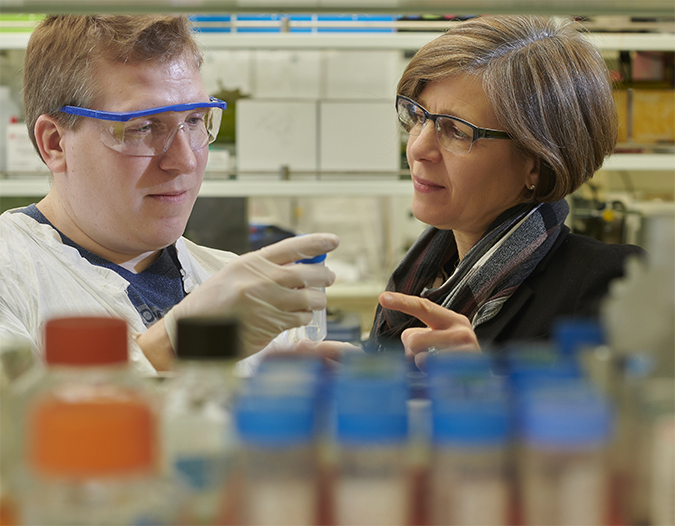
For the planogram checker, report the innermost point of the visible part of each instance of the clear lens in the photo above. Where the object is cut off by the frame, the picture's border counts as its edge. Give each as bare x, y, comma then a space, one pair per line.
153, 135
452, 135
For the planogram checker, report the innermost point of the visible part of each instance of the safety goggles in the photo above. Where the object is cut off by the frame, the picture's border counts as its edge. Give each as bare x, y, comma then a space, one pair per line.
453, 134
147, 133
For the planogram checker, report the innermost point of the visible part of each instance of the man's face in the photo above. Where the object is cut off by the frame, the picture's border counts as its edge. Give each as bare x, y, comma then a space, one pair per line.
122, 205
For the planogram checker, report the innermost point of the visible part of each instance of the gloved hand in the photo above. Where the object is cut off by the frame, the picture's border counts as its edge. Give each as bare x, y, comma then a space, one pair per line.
264, 289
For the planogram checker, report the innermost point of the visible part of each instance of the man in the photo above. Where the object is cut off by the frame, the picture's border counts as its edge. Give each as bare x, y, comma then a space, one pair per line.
116, 108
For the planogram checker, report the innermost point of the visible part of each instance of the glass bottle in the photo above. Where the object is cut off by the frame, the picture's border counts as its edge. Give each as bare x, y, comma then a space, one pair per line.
198, 427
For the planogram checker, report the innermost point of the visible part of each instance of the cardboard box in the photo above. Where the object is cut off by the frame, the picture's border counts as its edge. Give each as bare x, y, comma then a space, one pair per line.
653, 114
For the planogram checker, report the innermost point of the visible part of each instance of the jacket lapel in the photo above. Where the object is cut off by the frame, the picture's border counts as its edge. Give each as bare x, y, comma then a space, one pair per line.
489, 331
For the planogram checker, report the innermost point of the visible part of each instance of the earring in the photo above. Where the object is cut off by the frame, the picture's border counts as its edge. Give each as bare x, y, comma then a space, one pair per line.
532, 187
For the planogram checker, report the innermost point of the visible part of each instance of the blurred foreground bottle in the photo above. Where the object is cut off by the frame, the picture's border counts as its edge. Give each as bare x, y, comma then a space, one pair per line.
198, 426
90, 433
276, 423
470, 442
373, 483
563, 467
639, 318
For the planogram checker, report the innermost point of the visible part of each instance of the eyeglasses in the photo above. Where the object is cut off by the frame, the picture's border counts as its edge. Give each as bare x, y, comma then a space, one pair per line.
148, 133
453, 134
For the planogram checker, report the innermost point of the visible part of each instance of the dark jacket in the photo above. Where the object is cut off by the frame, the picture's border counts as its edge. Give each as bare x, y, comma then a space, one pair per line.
571, 280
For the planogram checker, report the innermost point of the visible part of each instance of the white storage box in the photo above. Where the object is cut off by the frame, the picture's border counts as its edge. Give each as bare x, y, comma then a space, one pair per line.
273, 134
21, 156
359, 136
286, 74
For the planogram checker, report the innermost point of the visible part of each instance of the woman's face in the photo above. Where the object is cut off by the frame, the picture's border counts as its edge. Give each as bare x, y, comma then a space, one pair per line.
464, 192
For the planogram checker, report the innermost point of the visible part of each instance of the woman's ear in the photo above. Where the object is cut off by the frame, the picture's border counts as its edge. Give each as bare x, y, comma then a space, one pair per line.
49, 138
532, 173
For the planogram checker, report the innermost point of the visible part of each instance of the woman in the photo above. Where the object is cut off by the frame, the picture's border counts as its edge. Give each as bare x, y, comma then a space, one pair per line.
506, 116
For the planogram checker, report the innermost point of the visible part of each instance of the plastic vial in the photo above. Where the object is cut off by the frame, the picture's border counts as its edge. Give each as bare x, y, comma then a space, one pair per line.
315, 330
563, 469
373, 483
90, 433
276, 425
198, 427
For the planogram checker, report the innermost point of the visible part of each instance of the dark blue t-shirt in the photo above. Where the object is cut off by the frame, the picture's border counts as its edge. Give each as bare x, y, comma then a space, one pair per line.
153, 292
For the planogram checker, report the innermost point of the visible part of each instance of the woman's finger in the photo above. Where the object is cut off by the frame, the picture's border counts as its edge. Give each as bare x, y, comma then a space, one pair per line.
432, 315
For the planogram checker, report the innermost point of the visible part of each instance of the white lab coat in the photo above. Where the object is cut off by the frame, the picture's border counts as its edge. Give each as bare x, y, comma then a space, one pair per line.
41, 278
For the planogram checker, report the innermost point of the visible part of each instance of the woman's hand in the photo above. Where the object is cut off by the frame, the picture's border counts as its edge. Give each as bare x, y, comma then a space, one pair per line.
446, 330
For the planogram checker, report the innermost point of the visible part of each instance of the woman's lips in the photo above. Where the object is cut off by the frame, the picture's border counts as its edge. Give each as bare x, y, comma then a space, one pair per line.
424, 186
170, 197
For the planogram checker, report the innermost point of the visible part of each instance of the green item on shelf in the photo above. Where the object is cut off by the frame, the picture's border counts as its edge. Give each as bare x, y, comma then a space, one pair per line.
228, 128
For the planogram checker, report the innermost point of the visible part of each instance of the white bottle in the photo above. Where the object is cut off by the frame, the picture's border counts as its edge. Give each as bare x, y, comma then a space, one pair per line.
9, 111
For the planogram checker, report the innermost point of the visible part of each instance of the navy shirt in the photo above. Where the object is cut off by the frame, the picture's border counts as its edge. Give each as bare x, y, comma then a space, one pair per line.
153, 292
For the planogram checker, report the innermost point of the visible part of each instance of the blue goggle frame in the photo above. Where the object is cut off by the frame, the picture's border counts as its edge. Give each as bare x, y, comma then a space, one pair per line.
127, 116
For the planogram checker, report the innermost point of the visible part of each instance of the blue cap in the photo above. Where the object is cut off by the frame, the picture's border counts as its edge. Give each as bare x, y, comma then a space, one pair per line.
470, 423
275, 421
317, 259
571, 334
371, 410
567, 415
459, 364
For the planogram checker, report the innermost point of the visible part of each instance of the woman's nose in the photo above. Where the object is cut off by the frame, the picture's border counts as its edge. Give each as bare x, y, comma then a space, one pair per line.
425, 146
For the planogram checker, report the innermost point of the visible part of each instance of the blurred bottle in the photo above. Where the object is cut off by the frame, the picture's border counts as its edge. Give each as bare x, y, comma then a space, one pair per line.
9, 112
638, 315
276, 423
16, 360
373, 484
469, 481
198, 426
563, 469
90, 433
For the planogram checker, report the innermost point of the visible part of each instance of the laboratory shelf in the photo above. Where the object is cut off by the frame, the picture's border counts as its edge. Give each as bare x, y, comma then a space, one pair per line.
211, 187
396, 40
356, 185
640, 162
641, 8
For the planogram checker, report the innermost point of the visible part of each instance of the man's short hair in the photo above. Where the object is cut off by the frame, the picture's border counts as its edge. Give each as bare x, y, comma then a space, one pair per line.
64, 51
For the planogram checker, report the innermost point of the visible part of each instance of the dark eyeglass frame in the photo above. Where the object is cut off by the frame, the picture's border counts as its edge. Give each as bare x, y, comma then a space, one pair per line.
478, 133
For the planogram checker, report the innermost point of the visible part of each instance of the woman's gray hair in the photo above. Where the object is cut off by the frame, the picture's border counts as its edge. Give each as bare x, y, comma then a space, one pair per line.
548, 86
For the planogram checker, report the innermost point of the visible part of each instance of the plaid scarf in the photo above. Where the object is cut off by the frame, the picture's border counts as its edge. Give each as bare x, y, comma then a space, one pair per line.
485, 278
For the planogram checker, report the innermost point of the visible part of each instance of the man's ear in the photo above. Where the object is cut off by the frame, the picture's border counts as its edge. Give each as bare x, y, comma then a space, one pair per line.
49, 138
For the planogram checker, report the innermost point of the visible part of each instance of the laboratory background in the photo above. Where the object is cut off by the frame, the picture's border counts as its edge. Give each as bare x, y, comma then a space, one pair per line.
309, 142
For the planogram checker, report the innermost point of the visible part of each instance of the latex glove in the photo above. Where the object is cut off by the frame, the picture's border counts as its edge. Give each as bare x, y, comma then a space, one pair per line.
264, 289
446, 330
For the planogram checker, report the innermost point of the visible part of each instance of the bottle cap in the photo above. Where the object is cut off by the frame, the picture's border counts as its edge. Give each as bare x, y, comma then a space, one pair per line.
316, 259
76, 433
572, 334
272, 421
85, 341
207, 338
471, 423
565, 415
